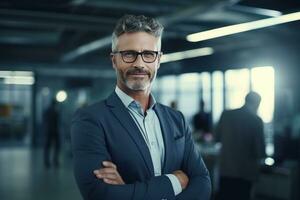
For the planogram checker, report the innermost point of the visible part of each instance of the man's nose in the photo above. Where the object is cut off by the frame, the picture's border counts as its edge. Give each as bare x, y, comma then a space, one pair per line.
139, 61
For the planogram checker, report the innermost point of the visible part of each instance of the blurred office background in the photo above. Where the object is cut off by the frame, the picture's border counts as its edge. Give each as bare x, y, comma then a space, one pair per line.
60, 49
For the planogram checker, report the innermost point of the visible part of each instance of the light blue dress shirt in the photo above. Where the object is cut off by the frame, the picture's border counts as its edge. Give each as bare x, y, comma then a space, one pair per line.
149, 126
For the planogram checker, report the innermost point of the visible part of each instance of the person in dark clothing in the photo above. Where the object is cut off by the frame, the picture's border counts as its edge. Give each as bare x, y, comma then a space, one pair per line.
202, 121
52, 140
241, 134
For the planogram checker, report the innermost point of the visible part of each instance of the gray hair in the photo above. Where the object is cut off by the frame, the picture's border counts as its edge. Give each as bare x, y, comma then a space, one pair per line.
133, 24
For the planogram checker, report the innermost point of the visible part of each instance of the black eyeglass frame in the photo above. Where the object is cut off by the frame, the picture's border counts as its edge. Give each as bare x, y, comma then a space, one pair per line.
137, 54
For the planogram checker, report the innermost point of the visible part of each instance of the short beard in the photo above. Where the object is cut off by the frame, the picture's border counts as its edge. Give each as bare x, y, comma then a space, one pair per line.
137, 85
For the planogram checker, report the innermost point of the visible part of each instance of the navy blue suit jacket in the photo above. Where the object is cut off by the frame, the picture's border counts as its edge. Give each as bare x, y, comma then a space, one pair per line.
106, 131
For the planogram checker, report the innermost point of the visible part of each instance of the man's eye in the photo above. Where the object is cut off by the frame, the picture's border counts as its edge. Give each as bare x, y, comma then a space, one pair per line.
149, 54
129, 54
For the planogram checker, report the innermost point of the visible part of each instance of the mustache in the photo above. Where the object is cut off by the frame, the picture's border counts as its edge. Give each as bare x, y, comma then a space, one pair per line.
137, 71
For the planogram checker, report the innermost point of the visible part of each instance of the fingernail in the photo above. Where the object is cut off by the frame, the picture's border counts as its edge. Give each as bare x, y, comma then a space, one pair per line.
95, 171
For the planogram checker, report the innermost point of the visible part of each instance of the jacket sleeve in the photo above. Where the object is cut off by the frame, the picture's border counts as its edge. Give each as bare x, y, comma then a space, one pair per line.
199, 187
89, 150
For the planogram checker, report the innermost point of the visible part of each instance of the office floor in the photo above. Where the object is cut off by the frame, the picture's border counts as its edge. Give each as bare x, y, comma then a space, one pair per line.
23, 177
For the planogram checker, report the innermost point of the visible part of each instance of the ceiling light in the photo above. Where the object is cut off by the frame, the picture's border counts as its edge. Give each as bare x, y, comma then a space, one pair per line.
186, 54
238, 28
269, 161
19, 80
61, 96
17, 77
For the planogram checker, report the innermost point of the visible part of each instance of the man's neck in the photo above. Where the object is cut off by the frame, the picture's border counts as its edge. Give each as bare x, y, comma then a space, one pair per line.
251, 109
142, 96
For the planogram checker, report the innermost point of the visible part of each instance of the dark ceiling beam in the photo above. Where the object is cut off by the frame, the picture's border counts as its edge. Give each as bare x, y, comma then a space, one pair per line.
80, 72
59, 70
167, 20
48, 20
255, 10
29, 37
143, 6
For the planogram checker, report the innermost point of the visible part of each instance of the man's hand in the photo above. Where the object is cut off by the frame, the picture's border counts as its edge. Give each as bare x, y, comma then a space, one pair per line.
109, 174
182, 177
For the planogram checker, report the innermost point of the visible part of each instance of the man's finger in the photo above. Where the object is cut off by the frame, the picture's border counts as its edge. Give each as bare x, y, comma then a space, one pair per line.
112, 182
112, 177
109, 164
99, 176
108, 170
109, 176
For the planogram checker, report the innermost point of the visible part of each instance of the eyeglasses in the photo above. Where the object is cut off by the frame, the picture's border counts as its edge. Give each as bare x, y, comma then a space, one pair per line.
130, 56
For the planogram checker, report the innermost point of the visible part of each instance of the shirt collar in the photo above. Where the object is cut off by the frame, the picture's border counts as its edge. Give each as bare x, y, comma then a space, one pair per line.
128, 100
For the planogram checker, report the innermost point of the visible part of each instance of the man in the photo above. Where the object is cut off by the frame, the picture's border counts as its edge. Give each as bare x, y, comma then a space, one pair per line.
202, 122
52, 138
129, 147
240, 132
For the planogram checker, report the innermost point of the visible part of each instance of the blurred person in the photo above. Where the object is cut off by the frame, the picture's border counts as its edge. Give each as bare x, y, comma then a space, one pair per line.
287, 140
241, 134
52, 139
295, 143
173, 104
129, 146
295, 136
202, 122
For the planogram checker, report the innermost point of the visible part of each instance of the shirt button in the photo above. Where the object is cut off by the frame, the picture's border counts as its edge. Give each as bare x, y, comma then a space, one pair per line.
152, 143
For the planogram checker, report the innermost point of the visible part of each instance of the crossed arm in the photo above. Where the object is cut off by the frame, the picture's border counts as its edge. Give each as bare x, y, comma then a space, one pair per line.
110, 175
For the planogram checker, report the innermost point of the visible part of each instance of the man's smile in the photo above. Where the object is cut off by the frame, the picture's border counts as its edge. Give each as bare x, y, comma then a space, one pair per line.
138, 73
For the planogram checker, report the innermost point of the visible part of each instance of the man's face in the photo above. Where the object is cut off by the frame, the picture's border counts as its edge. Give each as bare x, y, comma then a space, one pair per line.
138, 75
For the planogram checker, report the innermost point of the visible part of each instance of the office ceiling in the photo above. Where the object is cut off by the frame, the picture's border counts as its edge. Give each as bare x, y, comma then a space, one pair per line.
72, 37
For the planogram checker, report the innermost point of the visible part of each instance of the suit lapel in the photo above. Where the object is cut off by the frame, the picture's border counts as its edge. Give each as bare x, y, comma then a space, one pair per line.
168, 138
121, 113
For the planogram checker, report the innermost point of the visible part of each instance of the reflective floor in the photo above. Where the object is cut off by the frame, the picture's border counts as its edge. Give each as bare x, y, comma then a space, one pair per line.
24, 177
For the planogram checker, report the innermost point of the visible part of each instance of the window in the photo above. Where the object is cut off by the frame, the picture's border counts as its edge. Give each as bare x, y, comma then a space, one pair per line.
166, 87
206, 90
15, 105
217, 88
262, 81
189, 88
217, 95
237, 85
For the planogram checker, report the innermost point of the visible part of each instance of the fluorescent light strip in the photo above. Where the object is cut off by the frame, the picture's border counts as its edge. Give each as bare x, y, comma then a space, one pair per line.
4, 74
238, 28
19, 80
186, 54
17, 77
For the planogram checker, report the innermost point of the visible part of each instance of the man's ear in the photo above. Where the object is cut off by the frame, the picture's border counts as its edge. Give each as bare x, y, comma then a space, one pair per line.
113, 60
158, 60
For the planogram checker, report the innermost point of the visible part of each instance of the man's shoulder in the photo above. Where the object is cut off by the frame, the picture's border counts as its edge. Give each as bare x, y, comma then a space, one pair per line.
230, 111
242, 114
252, 116
258, 119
